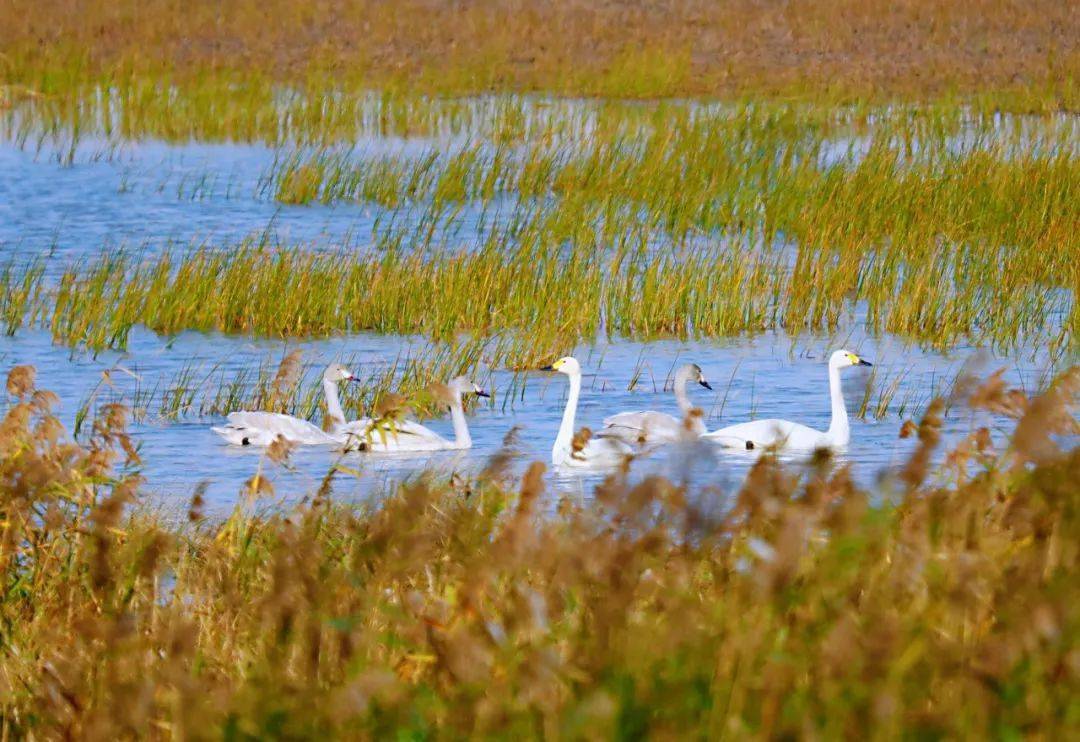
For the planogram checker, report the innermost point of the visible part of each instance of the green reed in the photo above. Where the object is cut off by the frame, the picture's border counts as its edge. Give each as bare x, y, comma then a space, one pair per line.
201, 391
558, 297
989, 206
937, 224
22, 284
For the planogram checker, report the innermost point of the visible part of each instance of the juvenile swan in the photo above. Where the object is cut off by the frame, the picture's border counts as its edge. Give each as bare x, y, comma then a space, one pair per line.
659, 427
789, 435
598, 451
375, 436
263, 428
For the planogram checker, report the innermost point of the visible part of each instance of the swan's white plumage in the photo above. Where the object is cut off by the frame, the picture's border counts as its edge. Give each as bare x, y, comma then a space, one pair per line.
246, 428
784, 434
650, 427
773, 433
385, 436
598, 452
262, 428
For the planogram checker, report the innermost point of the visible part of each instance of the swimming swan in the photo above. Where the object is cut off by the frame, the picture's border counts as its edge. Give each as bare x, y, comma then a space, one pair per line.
789, 435
380, 436
598, 451
263, 428
660, 427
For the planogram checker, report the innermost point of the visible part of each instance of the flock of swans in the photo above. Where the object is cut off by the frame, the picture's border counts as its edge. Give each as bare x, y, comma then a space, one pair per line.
623, 435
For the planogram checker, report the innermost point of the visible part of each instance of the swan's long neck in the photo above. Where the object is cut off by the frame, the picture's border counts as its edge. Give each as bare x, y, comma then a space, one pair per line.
333, 404
839, 432
680, 393
566, 428
462, 439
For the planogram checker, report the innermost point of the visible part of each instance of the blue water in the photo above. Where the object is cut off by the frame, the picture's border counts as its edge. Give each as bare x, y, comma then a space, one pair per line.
153, 195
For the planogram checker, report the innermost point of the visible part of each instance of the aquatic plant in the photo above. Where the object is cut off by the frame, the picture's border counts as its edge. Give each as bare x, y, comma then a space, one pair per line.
937, 224
521, 283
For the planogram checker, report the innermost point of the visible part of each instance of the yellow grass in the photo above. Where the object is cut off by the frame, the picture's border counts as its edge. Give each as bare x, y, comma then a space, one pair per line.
802, 606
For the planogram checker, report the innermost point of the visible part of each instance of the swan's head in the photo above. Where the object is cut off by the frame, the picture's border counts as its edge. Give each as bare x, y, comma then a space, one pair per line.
567, 365
693, 372
336, 372
462, 385
842, 358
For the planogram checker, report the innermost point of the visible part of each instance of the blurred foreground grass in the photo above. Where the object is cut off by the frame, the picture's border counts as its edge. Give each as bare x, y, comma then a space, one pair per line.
805, 606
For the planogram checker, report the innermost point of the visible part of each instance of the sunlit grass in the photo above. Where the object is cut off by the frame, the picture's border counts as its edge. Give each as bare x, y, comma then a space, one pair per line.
943, 226
942, 223
557, 296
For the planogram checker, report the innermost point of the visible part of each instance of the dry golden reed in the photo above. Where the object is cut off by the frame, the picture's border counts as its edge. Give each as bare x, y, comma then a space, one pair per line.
806, 607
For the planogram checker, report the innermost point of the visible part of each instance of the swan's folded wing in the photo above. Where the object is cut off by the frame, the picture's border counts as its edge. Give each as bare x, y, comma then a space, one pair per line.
260, 420
292, 428
642, 427
367, 428
625, 420
621, 433
758, 432
411, 427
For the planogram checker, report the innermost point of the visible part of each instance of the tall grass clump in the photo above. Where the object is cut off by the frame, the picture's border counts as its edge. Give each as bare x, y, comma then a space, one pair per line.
556, 295
22, 285
942, 605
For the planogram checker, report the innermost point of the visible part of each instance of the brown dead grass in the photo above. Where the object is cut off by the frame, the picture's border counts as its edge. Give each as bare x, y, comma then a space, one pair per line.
808, 609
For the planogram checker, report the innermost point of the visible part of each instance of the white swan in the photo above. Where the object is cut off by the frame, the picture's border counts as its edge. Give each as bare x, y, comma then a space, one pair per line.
789, 435
263, 428
384, 436
598, 451
660, 427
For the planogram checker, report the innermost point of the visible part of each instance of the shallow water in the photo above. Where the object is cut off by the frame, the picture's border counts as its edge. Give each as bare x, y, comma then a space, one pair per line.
138, 199
152, 196
766, 376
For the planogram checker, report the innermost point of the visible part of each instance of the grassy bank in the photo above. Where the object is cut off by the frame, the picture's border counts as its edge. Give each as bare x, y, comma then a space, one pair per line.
289, 72
478, 608
1019, 55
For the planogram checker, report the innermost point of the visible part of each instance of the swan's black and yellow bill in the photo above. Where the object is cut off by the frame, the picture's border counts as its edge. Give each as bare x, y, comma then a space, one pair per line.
482, 393
548, 367
854, 360
706, 384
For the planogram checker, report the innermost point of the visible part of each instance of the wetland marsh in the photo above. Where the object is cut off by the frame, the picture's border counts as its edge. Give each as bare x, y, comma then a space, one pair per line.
204, 229
923, 238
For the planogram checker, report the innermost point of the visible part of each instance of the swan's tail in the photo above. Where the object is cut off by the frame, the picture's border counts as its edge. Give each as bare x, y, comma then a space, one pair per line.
239, 436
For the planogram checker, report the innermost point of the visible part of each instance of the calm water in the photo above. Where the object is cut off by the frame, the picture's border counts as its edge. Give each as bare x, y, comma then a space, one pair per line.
144, 197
